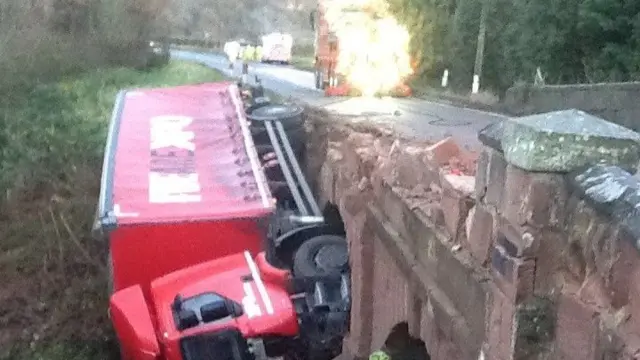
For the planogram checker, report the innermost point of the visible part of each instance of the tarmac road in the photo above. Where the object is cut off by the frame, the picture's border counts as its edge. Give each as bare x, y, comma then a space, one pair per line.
413, 117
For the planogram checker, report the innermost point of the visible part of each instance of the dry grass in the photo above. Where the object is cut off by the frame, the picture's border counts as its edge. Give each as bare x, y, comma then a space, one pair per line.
52, 139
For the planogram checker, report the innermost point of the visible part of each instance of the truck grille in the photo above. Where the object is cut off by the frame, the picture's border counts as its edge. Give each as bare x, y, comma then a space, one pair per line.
221, 345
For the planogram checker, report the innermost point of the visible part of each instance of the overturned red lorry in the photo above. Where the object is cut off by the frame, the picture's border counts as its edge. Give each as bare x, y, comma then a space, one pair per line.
205, 262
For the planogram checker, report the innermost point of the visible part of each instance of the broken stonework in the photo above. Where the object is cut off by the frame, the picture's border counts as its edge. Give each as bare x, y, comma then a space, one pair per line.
613, 191
563, 141
511, 264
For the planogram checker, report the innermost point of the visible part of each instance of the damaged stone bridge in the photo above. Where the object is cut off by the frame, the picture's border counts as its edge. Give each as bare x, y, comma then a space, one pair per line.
524, 251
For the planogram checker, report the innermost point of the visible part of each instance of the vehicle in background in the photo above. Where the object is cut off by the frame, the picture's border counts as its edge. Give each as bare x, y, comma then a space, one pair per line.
327, 49
217, 248
277, 48
233, 50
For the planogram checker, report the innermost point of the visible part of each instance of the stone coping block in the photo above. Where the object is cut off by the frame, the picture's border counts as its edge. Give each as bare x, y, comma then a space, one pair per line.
491, 135
612, 191
562, 141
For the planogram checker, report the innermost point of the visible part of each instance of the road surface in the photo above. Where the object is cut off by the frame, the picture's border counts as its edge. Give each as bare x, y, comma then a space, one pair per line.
413, 117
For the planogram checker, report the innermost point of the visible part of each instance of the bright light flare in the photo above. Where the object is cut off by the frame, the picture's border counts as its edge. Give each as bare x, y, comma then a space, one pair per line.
373, 50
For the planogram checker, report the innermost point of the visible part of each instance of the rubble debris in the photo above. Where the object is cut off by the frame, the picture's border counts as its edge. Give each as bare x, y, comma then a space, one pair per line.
443, 151
563, 141
463, 184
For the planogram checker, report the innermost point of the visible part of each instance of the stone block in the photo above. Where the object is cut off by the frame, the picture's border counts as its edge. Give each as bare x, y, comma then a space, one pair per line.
546, 200
453, 326
445, 314
326, 191
550, 262
517, 242
361, 258
500, 327
412, 170
480, 232
535, 199
419, 223
619, 279
481, 181
587, 230
425, 241
563, 141
496, 177
455, 209
516, 183
414, 309
612, 191
513, 276
577, 330
491, 135
634, 300
534, 328
393, 206
443, 151
463, 286
428, 326
464, 185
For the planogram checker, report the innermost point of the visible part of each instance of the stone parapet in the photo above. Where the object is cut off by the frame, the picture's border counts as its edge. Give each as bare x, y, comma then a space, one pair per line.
484, 259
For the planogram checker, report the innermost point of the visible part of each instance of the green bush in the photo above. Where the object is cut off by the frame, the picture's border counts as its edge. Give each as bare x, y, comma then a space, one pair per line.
571, 41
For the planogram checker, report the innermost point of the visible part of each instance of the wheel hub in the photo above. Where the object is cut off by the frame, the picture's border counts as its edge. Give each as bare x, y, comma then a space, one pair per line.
332, 257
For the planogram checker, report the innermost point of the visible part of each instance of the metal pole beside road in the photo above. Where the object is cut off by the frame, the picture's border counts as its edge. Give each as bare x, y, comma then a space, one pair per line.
477, 69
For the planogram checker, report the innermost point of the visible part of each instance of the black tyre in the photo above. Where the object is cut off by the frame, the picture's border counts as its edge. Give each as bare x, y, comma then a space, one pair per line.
257, 103
320, 256
288, 114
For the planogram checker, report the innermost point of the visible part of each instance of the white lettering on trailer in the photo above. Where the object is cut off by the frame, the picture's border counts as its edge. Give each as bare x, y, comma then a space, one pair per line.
174, 188
255, 274
168, 131
117, 212
249, 301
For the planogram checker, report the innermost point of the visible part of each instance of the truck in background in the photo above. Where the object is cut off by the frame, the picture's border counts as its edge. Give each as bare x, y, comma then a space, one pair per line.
276, 48
325, 48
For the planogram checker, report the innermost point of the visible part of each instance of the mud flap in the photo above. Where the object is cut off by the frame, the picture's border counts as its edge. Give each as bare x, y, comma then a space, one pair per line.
132, 322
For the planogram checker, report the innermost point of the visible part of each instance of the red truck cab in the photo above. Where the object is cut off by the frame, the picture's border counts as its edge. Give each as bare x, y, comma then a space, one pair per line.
185, 207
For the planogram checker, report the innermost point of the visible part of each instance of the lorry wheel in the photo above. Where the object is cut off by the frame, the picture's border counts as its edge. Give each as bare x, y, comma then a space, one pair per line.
291, 116
321, 255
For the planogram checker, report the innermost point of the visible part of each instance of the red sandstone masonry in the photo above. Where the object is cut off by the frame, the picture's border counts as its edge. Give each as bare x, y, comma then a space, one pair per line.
464, 267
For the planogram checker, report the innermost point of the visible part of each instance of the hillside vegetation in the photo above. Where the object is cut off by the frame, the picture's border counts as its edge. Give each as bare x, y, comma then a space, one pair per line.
53, 300
571, 41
